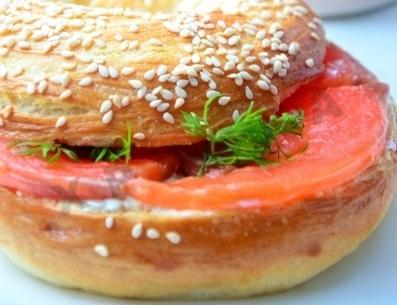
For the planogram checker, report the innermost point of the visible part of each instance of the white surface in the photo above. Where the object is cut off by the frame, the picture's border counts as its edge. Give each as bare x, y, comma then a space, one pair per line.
346, 7
368, 277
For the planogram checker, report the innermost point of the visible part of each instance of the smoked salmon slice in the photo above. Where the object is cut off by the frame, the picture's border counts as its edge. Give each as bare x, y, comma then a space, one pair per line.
345, 130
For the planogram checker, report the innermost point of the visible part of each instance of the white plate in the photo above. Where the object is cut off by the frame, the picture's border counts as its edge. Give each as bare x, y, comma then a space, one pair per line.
367, 277
346, 7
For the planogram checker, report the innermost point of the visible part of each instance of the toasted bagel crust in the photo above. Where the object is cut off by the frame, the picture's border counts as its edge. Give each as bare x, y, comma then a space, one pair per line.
83, 77
221, 255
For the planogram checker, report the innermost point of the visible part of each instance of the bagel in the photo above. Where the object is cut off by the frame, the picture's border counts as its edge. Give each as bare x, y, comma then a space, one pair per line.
90, 71
149, 227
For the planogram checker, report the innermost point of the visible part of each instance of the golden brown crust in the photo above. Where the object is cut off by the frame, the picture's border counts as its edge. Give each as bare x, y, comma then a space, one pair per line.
42, 63
221, 255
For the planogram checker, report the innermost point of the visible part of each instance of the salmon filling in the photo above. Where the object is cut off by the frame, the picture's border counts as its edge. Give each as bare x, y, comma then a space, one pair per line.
345, 131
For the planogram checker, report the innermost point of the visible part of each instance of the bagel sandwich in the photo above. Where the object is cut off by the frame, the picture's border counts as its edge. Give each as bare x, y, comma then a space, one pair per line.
220, 149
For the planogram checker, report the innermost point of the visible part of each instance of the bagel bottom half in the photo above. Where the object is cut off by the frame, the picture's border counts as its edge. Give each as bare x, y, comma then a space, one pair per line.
222, 255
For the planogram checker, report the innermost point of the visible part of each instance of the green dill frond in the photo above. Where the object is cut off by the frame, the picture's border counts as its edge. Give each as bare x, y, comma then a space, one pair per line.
50, 152
114, 154
247, 140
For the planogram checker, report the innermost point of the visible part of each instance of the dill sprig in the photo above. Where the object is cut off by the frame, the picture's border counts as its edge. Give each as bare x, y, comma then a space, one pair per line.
114, 154
247, 140
50, 152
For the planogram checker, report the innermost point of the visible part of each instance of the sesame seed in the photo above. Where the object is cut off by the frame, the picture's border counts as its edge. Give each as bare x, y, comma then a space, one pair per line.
137, 231
293, 48
141, 92
16, 72
155, 42
245, 75
150, 75
23, 45
161, 70
101, 250
152, 233
180, 92
91, 68
127, 71
235, 115
211, 93
232, 41
139, 136
248, 93
109, 222
7, 111
86, 81
61, 121
113, 73
196, 58
230, 65
86, 58
69, 66
310, 62
224, 100
182, 83
133, 44
135, 83
3, 51
103, 71
107, 117
42, 86
215, 62
273, 89
133, 28
157, 90
167, 95
168, 117
66, 54
164, 78
105, 106
155, 103
239, 80
179, 103
125, 101
263, 85
218, 71
391, 146
162, 107
314, 36
87, 42
31, 88
65, 94
173, 237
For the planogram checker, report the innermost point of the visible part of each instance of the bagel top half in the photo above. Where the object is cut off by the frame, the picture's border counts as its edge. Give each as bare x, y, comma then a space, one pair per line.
79, 75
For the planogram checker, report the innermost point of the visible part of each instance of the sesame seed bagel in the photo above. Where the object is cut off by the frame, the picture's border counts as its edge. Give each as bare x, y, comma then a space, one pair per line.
218, 254
79, 75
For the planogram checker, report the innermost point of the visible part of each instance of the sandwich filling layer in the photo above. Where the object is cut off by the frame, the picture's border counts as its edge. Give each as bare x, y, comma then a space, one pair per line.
345, 130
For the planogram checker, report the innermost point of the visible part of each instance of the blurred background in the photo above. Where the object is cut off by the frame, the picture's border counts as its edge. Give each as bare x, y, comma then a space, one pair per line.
368, 30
